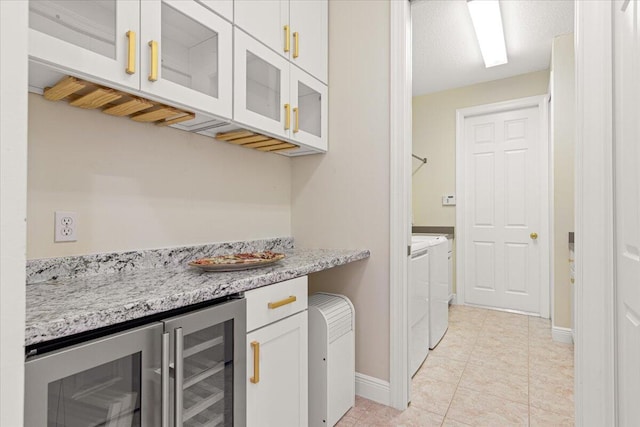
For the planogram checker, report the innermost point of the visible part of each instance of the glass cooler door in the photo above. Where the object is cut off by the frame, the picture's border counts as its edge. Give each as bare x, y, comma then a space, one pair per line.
111, 382
208, 359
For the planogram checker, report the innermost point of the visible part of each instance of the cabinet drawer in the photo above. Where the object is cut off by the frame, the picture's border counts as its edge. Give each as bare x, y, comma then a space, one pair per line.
277, 296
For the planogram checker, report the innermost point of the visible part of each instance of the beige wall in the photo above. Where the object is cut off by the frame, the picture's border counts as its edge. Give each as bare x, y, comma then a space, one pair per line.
341, 199
434, 137
139, 186
563, 107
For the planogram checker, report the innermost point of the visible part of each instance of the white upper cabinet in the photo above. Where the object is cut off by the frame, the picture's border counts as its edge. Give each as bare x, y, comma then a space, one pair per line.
265, 20
177, 51
274, 96
90, 38
261, 87
310, 39
223, 8
186, 55
295, 29
309, 106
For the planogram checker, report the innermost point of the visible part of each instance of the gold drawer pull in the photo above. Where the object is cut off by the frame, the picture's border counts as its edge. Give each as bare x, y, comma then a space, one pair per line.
287, 116
255, 345
153, 75
131, 54
296, 115
287, 38
296, 44
280, 303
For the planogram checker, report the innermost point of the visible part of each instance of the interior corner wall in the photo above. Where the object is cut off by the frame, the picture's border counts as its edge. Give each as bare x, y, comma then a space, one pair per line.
139, 186
563, 100
341, 199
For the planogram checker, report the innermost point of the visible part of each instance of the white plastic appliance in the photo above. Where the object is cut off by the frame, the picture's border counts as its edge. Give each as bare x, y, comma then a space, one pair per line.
332, 362
419, 305
438, 285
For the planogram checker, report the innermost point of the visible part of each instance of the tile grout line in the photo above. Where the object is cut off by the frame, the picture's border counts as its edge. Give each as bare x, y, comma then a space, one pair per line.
466, 363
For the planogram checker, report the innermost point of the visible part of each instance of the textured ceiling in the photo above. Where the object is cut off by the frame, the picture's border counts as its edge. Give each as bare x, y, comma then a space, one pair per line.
446, 54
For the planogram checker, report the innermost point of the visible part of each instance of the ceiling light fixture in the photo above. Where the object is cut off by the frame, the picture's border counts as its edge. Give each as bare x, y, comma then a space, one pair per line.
487, 22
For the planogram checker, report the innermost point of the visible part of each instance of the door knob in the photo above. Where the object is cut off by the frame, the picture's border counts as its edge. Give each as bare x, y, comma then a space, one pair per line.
534, 236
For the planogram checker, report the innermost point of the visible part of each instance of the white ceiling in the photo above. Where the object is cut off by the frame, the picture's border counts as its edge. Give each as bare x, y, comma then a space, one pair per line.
446, 54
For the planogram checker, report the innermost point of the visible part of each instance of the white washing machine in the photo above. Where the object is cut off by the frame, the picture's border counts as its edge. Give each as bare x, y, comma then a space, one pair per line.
438, 249
419, 305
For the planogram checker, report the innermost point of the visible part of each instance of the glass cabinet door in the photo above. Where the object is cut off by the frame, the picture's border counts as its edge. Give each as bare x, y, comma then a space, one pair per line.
310, 107
261, 87
112, 382
87, 38
206, 388
186, 52
208, 377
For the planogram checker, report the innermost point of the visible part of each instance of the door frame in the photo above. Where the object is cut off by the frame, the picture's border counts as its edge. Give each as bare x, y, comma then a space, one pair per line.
400, 107
594, 351
14, 36
595, 401
542, 103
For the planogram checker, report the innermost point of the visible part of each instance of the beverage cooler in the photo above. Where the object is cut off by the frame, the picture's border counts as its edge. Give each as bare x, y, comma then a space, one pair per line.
187, 370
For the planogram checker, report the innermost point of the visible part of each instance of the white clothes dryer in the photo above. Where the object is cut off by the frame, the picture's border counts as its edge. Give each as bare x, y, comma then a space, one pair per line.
418, 305
438, 285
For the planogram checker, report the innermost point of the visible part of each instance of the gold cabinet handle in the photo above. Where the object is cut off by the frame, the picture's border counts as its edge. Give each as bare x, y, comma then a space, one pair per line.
296, 44
287, 38
287, 116
534, 236
131, 55
282, 302
255, 345
296, 125
153, 75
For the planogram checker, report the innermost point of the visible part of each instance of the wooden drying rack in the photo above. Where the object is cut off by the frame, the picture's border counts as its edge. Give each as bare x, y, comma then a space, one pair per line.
254, 140
83, 94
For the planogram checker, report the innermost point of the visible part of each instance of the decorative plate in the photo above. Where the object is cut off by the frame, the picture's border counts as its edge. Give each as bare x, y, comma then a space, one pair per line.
235, 262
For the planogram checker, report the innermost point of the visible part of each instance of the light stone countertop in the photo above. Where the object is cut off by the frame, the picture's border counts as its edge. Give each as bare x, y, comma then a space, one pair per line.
63, 307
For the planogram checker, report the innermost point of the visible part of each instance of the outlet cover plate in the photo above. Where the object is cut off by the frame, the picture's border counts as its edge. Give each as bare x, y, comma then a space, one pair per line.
66, 226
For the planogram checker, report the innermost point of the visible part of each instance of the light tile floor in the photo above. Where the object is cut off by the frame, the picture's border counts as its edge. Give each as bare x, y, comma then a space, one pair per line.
491, 369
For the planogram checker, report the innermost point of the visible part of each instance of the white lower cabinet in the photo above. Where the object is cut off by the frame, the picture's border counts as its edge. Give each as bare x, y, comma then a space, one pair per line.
277, 358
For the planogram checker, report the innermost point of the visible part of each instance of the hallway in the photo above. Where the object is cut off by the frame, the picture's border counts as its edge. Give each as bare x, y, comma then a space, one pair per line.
491, 369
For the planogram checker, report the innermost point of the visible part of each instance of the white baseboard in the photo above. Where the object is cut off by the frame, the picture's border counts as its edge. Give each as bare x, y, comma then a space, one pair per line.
562, 334
373, 389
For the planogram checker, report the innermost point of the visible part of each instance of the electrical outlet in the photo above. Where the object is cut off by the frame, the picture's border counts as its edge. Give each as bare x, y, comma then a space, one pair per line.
66, 226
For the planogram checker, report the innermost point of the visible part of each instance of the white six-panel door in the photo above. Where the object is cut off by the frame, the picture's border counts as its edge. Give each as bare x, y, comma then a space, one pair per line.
627, 207
502, 199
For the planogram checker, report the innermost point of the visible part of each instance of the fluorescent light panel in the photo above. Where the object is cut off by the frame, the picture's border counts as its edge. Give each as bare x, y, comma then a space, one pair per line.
487, 22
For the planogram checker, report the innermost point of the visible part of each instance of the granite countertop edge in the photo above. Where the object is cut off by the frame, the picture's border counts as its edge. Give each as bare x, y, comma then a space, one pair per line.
49, 325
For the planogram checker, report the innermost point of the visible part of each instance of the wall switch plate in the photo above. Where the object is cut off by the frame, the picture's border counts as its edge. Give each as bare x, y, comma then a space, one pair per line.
449, 200
66, 226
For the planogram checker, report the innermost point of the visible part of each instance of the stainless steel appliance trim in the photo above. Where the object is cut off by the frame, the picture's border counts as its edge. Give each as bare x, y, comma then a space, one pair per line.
164, 379
179, 377
234, 310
